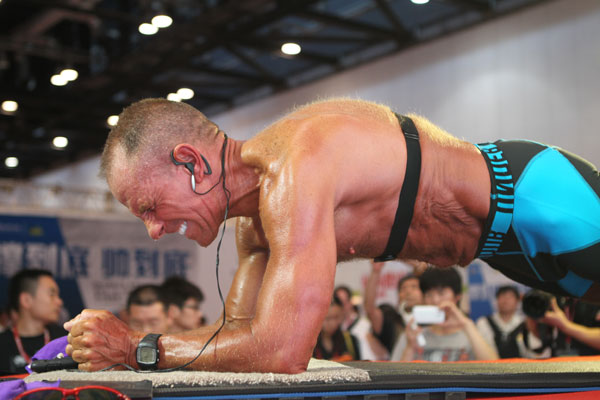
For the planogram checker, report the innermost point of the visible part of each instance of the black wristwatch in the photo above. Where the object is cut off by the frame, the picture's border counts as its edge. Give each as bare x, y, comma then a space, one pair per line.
147, 352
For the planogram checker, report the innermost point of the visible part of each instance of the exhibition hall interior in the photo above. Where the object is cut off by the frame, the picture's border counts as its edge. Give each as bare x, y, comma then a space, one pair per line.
290, 199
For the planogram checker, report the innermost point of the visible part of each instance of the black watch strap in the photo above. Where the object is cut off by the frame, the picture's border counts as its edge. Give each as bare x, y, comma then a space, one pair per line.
147, 354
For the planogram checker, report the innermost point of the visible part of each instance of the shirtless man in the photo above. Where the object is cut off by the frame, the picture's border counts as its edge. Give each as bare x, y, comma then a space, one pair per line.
320, 185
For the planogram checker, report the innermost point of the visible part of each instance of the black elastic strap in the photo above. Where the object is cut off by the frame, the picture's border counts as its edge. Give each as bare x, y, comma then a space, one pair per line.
408, 194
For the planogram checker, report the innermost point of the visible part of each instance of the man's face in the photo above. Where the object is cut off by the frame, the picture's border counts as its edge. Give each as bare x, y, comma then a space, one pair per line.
410, 293
189, 316
333, 319
435, 296
348, 307
164, 201
148, 318
507, 302
46, 302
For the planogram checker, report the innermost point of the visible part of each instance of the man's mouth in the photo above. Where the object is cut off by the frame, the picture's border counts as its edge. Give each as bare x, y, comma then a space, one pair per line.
182, 228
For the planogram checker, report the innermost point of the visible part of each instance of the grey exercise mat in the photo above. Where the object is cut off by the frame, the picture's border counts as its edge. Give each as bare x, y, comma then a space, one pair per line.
319, 371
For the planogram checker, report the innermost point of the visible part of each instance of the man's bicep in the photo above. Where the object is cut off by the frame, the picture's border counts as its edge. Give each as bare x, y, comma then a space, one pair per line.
253, 256
298, 283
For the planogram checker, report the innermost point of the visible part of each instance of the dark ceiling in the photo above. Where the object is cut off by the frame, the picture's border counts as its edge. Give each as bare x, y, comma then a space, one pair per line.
227, 51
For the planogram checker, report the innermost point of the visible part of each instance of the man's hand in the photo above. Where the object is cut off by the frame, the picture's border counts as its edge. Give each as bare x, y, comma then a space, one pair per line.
412, 331
556, 316
98, 339
455, 318
377, 266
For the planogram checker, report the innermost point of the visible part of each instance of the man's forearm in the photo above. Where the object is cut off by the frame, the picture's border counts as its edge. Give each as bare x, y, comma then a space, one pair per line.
234, 349
373, 312
585, 334
481, 348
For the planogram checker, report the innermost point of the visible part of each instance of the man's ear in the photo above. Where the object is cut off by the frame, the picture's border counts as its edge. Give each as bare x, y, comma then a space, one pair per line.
25, 301
173, 312
187, 155
458, 299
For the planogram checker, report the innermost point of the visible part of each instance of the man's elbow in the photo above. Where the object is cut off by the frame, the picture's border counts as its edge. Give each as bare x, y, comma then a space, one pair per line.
290, 360
282, 348
284, 356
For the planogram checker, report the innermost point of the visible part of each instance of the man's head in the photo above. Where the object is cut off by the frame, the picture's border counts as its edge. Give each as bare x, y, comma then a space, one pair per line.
183, 303
409, 292
344, 296
440, 284
147, 310
34, 293
140, 172
507, 300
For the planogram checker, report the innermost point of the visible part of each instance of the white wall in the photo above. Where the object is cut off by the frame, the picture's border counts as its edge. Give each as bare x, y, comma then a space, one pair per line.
534, 75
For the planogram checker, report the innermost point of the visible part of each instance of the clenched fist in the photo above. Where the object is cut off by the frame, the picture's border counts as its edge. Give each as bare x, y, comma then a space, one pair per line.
98, 339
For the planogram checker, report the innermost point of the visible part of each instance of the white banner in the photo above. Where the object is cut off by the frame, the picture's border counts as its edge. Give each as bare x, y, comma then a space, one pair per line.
95, 262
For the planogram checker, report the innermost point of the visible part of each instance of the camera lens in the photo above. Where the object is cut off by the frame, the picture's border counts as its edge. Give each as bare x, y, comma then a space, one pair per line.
536, 303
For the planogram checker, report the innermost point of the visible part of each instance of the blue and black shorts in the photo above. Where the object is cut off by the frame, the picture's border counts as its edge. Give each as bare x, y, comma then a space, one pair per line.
543, 227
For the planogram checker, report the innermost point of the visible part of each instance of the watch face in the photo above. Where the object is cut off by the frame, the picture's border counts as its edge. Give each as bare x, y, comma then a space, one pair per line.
147, 355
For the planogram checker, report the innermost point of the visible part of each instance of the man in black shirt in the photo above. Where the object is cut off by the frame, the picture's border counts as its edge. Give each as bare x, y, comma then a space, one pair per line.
184, 301
34, 297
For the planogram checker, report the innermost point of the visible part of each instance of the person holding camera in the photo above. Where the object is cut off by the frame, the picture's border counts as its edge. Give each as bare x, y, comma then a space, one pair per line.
456, 338
579, 326
388, 321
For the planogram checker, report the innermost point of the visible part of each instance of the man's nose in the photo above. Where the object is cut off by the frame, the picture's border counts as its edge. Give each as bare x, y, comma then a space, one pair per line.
155, 229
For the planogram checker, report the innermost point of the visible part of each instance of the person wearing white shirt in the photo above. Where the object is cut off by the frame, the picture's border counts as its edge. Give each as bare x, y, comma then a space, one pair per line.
502, 327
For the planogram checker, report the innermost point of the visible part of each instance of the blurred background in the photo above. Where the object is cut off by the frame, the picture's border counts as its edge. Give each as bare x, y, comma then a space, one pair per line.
482, 69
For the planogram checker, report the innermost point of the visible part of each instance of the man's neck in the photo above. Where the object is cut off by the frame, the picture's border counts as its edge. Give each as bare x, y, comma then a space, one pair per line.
242, 180
28, 326
506, 317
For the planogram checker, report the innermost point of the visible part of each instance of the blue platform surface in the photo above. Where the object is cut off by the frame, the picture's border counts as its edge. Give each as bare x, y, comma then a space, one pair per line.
424, 380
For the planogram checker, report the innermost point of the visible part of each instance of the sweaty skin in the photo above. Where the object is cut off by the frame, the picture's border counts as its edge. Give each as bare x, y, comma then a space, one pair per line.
317, 187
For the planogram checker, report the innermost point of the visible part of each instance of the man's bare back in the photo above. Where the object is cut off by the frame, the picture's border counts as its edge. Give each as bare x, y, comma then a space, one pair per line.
354, 155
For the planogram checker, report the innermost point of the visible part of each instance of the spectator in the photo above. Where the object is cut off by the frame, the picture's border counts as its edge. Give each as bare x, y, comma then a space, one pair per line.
502, 327
350, 312
5, 320
457, 338
34, 297
357, 325
333, 343
184, 300
535, 340
387, 322
579, 328
147, 310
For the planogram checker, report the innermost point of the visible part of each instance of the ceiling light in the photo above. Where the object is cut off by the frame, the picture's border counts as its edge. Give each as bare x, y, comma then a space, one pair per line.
173, 97
58, 80
162, 21
10, 106
290, 48
185, 93
420, 1
147, 29
69, 74
60, 142
11, 162
112, 120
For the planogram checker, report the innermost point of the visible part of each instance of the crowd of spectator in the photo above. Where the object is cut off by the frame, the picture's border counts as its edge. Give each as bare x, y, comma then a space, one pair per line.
352, 330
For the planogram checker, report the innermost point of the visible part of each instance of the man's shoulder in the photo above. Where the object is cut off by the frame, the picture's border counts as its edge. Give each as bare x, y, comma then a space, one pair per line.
250, 235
